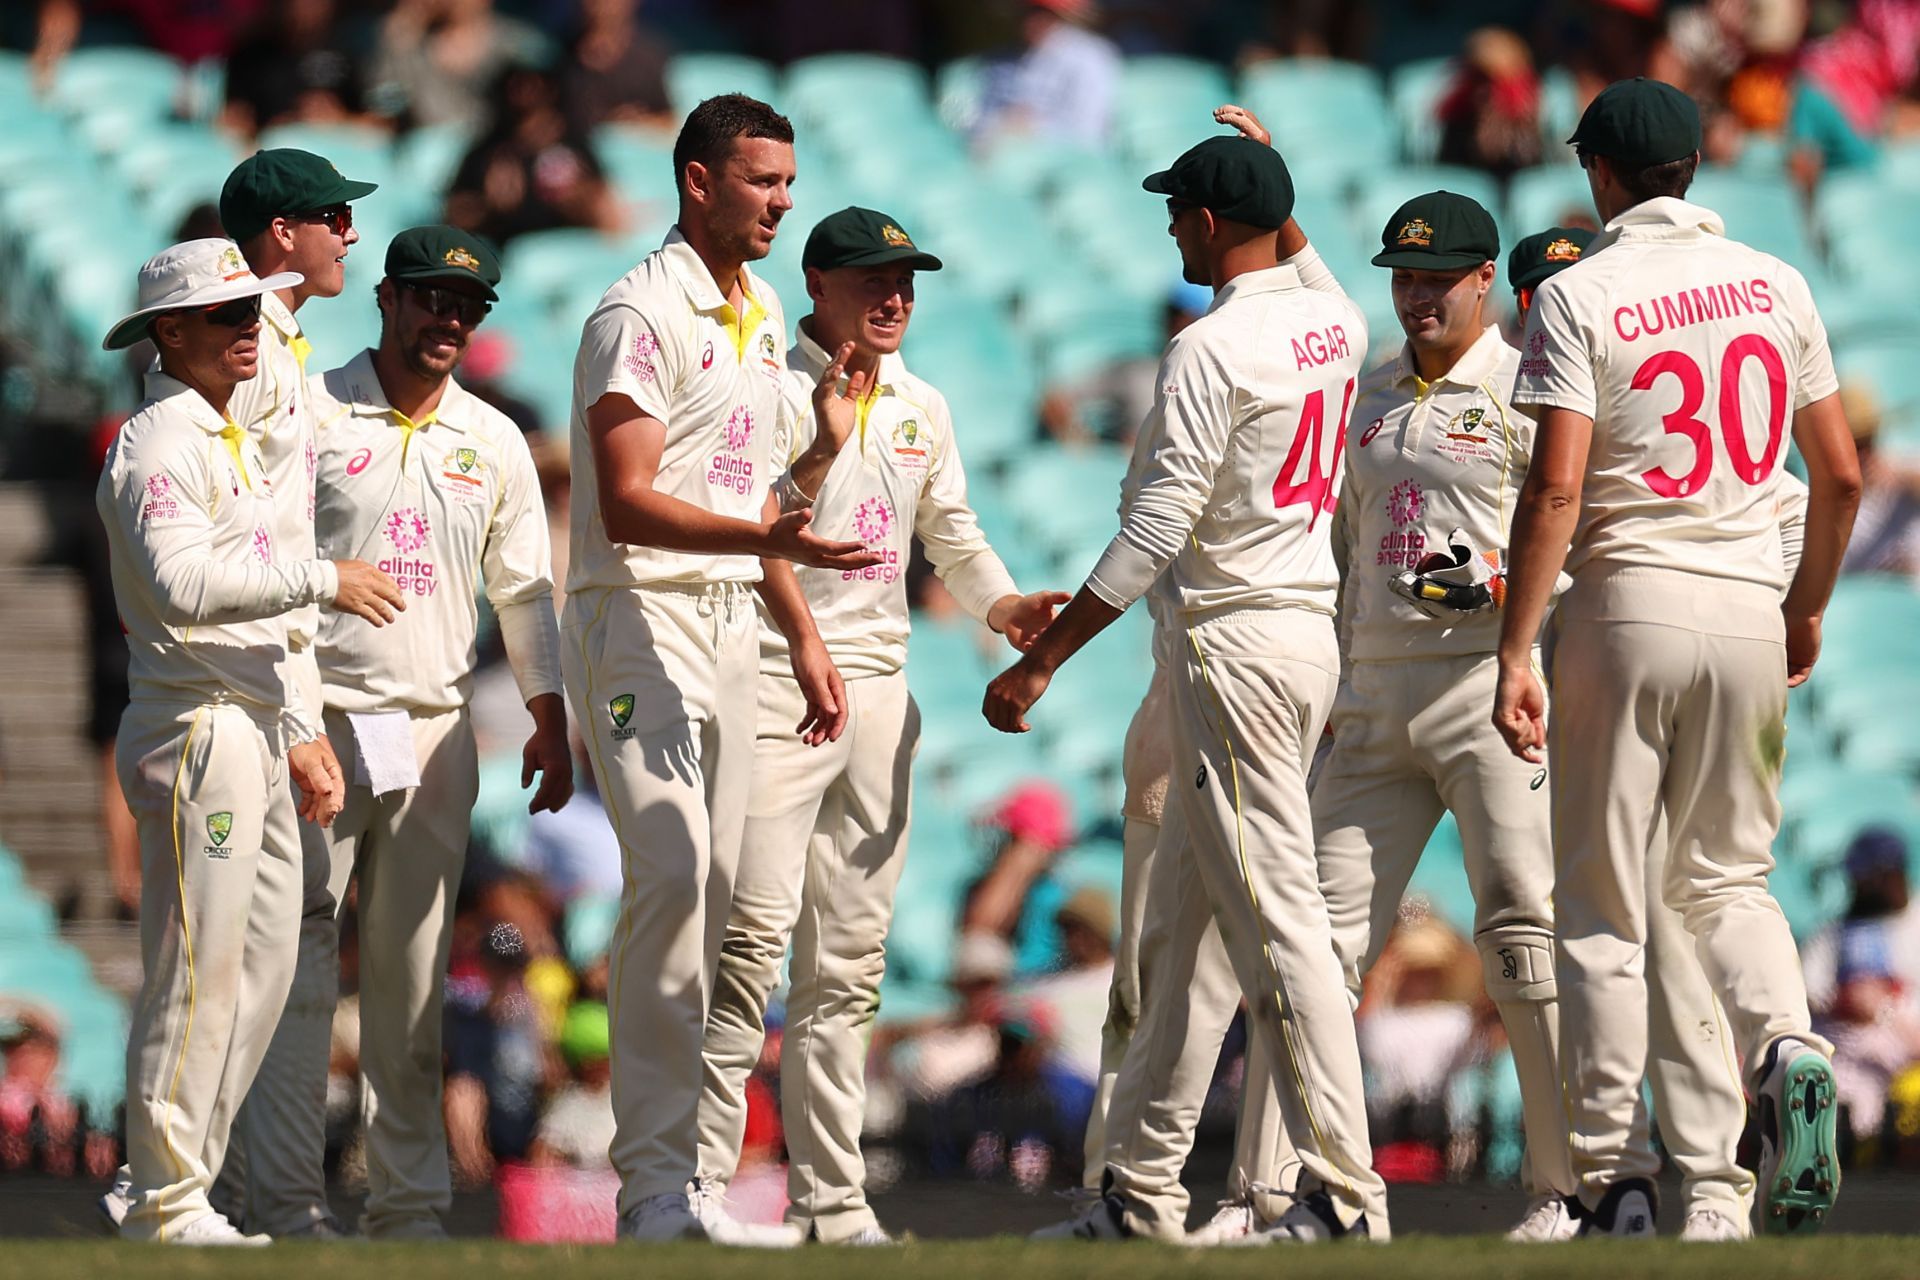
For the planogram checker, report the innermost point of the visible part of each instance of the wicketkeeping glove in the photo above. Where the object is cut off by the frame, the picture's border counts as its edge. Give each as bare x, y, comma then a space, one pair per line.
1453, 582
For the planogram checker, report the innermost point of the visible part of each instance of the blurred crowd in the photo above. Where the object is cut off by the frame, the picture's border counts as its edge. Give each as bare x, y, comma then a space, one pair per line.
999, 1084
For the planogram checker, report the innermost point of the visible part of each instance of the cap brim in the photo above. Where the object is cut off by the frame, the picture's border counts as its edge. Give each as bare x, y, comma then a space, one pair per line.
351, 190
134, 327
918, 259
462, 277
1415, 261
1160, 183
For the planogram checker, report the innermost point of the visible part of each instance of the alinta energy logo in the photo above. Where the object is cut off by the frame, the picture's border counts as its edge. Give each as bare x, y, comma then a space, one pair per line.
639, 361
160, 504
728, 469
408, 530
262, 544
1402, 547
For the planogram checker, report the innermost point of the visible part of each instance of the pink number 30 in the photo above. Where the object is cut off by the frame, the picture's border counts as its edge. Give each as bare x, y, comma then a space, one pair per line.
1693, 394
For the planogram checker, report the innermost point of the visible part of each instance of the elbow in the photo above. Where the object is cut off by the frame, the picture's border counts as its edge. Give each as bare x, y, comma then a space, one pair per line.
1551, 500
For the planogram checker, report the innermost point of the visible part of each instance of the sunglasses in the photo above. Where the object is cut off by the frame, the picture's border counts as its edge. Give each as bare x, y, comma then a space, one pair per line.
237, 314
445, 304
338, 219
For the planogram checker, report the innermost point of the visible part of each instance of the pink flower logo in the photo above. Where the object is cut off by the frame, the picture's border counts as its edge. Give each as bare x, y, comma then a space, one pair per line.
158, 486
407, 530
1404, 503
739, 428
263, 544
873, 520
639, 361
1538, 342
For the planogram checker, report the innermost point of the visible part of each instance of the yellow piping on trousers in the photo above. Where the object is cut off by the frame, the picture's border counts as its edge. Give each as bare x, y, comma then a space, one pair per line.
193, 982
1246, 878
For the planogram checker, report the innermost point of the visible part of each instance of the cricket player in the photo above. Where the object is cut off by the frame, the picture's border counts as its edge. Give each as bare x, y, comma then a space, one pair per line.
677, 387
875, 457
1691, 1066
1662, 369
214, 729
1234, 505
441, 488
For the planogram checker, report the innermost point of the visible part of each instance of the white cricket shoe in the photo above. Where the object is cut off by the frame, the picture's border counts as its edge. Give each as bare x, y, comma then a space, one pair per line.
118, 1199
709, 1206
213, 1231
1098, 1219
1626, 1212
661, 1218
1548, 1220
1238, 1216
874, 1237
1311, 1220
1710, 1226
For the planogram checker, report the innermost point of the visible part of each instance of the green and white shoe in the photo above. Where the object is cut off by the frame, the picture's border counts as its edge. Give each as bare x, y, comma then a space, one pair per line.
1799, 1148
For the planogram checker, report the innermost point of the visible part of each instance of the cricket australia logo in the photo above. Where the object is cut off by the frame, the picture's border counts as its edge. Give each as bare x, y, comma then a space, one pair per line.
219, 827
727, 469
1404, 503
620, 708
465, 460
639, 361
407, 530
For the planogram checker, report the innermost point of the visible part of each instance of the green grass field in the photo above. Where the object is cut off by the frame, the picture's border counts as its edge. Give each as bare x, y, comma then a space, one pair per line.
1420, 1257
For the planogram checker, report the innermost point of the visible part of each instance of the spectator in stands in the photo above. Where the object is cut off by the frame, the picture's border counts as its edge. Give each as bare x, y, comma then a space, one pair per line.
496, 1052
931, 1060
1018, 896
1851, 85
1880, 930
616, 70
36, 1118
489, 356
1886, 532
440, 61
1874, 1025
1074, 1000
1061, 83
1111, 404
1490, 114
530, 170
576, 1126
293, 66
205, 29
574, 851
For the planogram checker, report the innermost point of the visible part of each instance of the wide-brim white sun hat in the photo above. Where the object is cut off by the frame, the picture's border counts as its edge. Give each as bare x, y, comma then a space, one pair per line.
195, 273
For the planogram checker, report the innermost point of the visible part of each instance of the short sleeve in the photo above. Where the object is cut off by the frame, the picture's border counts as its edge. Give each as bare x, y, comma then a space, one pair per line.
1556, 358
623, 352
1814, 378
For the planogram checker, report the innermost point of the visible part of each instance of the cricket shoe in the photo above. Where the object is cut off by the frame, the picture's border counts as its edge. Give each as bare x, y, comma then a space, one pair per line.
117, 1199
1626, 1212
708, 1204
1799, 1153
1237, 1216
662, 1218
1311, 1220
1100, 1218
874, 1237
1710, 1226
325, 1228
212, 1230
1549, 1220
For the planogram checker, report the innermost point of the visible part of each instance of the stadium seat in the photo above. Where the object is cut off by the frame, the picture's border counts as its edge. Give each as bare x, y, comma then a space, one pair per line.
1888, 369
861, 88
1325, 110
956, 92
1546, 196
362, 153
90, 76
1761, 211
169, 153
426, 157
1415, 88
694, 77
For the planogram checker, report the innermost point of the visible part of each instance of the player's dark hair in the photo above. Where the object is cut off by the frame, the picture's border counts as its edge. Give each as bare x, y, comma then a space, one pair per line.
712, 126
1669, 179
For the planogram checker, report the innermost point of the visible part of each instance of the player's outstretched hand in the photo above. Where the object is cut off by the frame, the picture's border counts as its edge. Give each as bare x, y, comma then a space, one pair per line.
1803, 649
1012, 693
1021, 619
1520, 713
826, 695
367, 592
790, 539
316, 773
836, 411
548, 755
1245, 121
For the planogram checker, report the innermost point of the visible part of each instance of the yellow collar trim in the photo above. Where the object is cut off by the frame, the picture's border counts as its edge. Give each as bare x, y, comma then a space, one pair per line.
233, 437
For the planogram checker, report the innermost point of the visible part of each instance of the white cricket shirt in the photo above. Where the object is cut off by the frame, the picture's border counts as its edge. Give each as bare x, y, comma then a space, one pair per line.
665, 337
1690, 352
1241, 471
1424, 459
898, 475
443, 506
200, 583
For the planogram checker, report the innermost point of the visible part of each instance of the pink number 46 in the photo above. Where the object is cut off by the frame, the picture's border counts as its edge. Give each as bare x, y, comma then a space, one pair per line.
1317, 488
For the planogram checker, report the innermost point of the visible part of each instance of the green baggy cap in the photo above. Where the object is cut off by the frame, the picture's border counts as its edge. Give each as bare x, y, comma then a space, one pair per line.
1238, 179
1438, 231
1639, 123
1541, 255
441, 252
856, 237
285, 180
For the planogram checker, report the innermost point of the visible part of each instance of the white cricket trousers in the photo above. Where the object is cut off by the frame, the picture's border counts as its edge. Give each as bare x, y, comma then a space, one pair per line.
662, 681
819, 863
1411, 741
1157, 1132
1251, 689
1651, 717
409, 848
219, 915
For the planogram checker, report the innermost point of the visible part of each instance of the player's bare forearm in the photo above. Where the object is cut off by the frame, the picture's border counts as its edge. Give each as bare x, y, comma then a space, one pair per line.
779, 589
1016, 689
1833, 498
645, 518
1292, 239
809, 470
1544, 518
